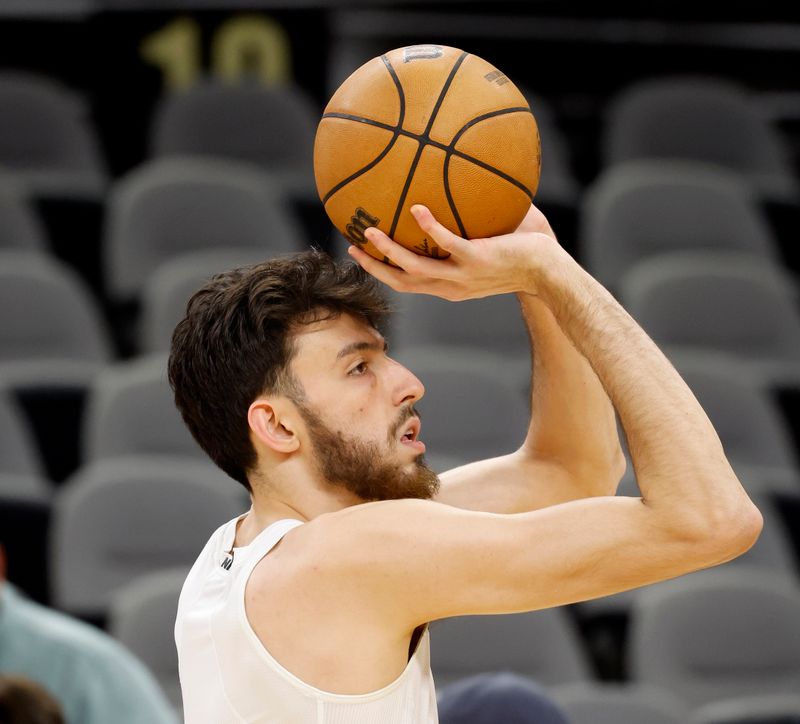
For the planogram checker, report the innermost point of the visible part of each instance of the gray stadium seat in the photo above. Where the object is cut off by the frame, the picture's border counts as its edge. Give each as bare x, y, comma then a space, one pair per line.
170, 207
118, 519
167, 290
619, 704
130, 411
142, 617
749, 423
768, 709
20, 227
24, 488
471, 410
492, 325
273, 127
638, 209
719, 634
51, 331
718, 301
698, 118
542, 645
18, 451
47, 139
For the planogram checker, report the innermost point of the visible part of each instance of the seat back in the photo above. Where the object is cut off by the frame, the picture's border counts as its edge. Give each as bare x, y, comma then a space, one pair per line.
47, 312
637, 210
542, 645
171, 207
719, 634
118, 519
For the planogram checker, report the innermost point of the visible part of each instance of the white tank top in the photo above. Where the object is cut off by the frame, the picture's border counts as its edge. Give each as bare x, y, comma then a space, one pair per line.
227, 675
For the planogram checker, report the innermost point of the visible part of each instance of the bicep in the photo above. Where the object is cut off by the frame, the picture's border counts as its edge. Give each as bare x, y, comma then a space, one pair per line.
427, 561
515, 483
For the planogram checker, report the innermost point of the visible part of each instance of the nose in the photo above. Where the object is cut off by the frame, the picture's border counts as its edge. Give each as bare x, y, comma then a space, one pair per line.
407, 387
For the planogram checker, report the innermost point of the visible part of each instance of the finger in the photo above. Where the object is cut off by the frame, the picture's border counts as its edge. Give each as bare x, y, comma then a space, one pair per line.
411, 262
395, 278
444, 238
400, 281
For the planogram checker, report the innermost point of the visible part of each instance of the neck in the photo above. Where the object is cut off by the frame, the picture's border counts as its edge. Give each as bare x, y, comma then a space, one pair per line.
304, 499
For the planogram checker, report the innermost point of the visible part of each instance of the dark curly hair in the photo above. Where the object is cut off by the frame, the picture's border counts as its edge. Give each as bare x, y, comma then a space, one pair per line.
236, 342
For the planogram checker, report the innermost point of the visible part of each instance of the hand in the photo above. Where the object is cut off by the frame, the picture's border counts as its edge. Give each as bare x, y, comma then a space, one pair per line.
475, 268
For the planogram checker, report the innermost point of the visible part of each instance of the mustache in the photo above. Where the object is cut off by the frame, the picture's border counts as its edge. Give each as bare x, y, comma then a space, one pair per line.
406, 414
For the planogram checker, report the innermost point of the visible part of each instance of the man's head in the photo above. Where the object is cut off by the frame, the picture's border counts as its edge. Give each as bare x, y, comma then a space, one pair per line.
274, 357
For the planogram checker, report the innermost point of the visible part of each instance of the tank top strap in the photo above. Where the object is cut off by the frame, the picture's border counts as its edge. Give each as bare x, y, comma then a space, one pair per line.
268, 538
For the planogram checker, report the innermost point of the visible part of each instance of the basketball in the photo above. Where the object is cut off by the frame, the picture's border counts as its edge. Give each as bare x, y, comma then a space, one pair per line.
432, 125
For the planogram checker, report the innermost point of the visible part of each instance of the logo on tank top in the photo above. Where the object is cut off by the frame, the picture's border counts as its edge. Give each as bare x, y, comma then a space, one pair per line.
228, 562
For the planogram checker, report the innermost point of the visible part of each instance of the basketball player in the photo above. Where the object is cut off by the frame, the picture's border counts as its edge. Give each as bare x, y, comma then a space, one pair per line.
313, 606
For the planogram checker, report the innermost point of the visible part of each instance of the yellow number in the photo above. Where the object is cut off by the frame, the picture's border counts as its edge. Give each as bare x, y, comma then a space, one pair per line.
176, 50
251, 45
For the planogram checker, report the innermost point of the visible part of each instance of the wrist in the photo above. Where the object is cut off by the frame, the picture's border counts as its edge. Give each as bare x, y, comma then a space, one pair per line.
546, 269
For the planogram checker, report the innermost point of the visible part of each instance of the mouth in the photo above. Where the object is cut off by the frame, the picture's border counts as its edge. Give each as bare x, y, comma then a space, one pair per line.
410, 435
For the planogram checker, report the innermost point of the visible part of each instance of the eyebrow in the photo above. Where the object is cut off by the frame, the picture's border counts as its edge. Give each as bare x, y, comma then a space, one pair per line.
361, 346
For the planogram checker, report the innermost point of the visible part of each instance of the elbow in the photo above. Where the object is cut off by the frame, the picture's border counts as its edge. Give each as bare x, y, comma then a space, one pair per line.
745, 528
727, 531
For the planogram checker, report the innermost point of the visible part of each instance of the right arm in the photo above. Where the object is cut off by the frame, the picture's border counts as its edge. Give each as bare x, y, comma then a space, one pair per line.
427, 561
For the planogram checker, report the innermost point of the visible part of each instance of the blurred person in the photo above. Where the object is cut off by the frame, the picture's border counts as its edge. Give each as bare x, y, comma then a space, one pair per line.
23, 701
93, 677
497, 697
314, 605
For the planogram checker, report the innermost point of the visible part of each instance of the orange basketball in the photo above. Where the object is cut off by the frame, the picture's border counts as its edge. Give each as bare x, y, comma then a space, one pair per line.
431, 125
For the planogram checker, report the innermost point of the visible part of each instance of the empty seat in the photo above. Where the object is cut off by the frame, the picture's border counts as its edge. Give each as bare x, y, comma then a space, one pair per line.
118, 519
470, 410
718, 634
51, 329
492, 325
273, 127
542, 645
638, 209
619, 704
130, 411
142, 617
698, 118
768, 709
47, 139
168, 289
717, 301
20, 227
167, 208
24, 488
749, 423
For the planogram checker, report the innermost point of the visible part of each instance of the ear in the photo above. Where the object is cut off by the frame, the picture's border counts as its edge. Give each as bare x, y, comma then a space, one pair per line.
271, 426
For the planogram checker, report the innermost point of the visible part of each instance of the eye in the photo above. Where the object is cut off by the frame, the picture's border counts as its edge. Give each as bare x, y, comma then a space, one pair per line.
359, 369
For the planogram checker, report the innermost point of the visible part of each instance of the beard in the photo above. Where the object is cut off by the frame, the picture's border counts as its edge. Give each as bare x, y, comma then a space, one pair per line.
359, 466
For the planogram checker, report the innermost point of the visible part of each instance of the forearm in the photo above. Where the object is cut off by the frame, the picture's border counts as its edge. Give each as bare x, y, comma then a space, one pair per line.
572, 419
676, 453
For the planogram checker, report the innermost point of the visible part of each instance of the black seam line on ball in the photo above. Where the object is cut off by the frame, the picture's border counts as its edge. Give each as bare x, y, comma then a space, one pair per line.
425, 140
392, 140
446, 178
447, 148
452, 150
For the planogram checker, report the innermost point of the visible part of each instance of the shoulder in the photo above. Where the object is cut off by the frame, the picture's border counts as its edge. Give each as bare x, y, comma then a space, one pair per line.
349, 533
363, 539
